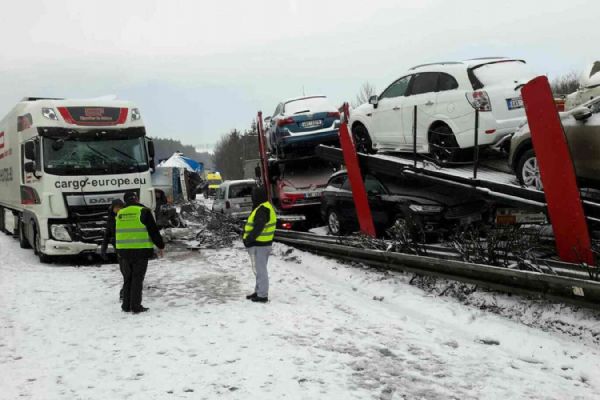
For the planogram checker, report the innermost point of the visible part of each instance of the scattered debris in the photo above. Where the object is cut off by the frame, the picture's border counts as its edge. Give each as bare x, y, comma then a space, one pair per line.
207, 228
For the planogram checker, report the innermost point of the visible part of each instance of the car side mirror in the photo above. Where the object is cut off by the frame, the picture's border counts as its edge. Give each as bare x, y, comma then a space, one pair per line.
29, 167
581, 113
30, 150
374, 100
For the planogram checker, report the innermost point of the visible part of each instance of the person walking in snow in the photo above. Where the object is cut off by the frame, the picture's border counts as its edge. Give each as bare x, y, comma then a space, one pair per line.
109, 234
258, 237
135, 238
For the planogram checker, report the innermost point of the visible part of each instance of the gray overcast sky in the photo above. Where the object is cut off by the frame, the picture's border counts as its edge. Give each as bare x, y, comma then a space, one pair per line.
197, 69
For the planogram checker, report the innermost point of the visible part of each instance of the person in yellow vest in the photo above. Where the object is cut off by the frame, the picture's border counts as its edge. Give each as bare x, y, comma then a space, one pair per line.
136, 234
258, 237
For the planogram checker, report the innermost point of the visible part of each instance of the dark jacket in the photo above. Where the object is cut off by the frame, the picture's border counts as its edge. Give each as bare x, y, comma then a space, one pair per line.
109, 231
261, 218
147, 219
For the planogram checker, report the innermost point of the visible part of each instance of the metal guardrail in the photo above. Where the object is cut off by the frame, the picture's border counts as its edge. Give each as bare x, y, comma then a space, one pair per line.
567, 283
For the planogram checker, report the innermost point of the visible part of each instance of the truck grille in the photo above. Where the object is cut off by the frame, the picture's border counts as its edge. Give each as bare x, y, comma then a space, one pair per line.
89, 222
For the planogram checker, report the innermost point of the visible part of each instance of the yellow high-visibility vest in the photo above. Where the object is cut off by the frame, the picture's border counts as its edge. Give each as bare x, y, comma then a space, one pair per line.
268, 232
130, 233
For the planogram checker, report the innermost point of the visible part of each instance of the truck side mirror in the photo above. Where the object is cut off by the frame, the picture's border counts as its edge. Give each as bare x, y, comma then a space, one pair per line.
30, 150
29, 167
151, 149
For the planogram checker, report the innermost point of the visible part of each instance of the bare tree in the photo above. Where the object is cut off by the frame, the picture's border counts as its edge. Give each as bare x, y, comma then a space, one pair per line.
366, 91
565, 84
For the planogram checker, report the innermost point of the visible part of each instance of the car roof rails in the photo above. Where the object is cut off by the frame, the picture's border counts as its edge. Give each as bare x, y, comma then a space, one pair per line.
436, 63
40, 98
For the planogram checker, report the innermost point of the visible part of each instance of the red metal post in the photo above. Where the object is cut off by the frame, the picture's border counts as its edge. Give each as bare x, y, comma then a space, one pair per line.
557, 173
361, 200
262, 148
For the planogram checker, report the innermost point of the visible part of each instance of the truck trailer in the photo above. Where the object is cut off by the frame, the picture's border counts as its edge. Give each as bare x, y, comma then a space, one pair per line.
62, 163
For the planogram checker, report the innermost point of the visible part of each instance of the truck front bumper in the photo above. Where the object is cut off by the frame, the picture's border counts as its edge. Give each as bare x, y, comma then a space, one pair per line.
58, 248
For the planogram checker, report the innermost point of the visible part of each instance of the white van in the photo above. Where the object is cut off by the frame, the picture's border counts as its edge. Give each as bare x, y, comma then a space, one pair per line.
235, 198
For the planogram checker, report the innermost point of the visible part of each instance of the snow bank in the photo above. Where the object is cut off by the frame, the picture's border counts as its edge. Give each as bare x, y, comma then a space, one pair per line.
330, 331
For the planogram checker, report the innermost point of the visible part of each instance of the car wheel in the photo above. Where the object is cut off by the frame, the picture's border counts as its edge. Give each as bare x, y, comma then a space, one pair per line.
528, 172
23, 242
362, 140
334, 223
442, 145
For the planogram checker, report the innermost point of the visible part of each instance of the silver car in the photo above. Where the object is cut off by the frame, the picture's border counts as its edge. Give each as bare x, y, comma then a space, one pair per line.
234, 198
582, 128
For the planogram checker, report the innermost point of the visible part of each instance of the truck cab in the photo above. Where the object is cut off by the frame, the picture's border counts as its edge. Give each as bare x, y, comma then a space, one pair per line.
69, 159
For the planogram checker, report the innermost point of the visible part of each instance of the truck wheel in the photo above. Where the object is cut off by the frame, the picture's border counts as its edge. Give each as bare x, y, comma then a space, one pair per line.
44, 258
23, 242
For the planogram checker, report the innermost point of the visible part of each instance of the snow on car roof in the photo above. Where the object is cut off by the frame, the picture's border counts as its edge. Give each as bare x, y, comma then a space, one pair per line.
469, 63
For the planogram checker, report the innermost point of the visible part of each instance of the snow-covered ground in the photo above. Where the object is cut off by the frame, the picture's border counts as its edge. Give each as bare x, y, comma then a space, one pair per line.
330, 331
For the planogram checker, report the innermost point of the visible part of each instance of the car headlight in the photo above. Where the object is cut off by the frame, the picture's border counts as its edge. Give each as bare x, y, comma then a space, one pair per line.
49, 113
135, 114
60, 232
418, 208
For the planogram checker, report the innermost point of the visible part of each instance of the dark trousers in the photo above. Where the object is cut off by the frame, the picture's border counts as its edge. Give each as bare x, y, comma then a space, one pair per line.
123, 274
134, 271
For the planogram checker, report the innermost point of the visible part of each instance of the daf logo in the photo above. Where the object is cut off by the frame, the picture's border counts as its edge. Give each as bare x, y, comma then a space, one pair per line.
102, 200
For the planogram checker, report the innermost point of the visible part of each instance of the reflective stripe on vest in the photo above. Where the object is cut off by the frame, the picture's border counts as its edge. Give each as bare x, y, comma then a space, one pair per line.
268, 232
130, 233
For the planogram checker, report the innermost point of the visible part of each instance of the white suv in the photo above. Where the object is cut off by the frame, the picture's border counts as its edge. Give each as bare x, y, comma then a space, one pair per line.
445, 95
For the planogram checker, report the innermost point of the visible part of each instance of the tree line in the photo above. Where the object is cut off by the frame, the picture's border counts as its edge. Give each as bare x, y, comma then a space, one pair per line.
234, 149
164, 148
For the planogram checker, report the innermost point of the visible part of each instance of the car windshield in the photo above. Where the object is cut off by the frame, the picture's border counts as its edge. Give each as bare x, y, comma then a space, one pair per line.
308, 105
81, 156
505, 72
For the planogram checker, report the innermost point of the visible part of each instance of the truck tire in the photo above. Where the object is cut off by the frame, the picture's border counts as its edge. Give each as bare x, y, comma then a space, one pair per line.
23, 242
44, 258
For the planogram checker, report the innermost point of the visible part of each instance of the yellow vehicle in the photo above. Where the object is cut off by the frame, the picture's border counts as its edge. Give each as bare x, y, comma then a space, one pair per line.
212, 181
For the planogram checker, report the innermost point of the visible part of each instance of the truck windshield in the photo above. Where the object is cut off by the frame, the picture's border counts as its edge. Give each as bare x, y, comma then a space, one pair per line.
79, 156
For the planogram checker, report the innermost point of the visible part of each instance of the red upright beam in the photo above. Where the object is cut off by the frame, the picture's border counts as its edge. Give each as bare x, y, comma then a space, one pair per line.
361, 200
262, 148
557, 173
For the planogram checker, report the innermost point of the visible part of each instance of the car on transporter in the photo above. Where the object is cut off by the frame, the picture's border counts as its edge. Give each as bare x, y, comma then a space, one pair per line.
445, 95
582, 129
430, 209
299, 124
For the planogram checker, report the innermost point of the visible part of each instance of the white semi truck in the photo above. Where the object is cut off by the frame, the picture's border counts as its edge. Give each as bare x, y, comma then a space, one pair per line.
62, 162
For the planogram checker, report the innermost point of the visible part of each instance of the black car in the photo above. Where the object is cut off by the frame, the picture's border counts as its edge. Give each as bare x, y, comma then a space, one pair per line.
426, 208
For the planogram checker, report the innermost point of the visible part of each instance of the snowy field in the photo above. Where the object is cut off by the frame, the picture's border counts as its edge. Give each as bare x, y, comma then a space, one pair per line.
330, 331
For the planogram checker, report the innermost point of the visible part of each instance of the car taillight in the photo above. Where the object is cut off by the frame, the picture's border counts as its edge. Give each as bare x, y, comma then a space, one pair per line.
286, 121
286, 225
335, 115
227, 204
480, 100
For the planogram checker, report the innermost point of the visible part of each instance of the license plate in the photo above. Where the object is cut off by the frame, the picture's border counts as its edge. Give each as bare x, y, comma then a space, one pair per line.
311, 124
470, 219
312, 195
514, 103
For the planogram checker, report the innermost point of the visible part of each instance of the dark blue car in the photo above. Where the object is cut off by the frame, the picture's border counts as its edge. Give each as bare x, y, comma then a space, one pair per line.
301, 124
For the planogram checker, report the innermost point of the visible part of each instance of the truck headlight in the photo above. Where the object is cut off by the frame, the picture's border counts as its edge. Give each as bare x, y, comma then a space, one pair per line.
135, 114
418, 208
60, 232
49, 113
